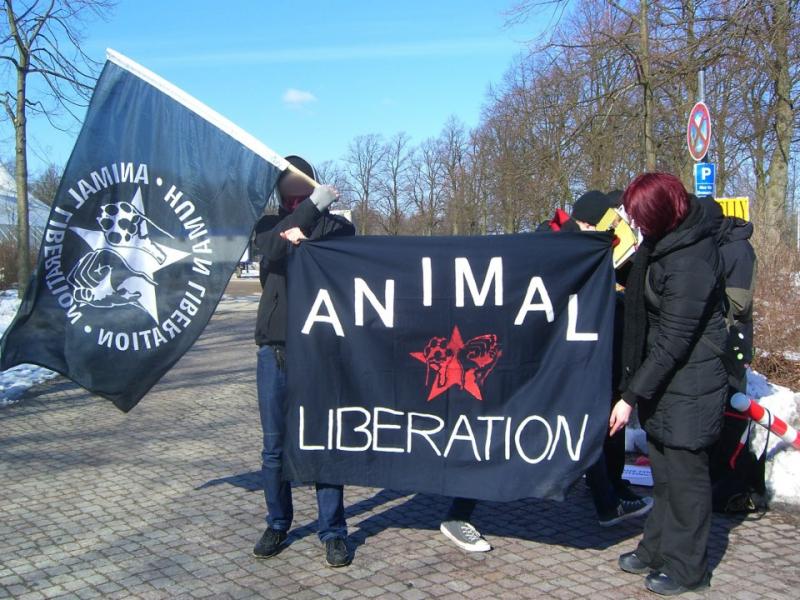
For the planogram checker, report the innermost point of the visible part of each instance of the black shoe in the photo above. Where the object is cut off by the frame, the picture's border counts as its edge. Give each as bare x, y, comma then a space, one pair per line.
663, 584
624, 491
626, 510
270, 543
336, 553
631, 563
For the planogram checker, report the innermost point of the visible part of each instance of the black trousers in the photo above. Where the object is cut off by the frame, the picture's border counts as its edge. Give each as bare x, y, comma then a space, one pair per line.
676, 532
614, 452
461, 509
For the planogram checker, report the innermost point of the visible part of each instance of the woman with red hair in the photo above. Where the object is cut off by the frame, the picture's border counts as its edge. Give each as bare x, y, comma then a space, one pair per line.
673, 319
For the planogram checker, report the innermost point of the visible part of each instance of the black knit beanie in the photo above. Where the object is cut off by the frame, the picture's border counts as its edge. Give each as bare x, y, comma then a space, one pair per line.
590, 207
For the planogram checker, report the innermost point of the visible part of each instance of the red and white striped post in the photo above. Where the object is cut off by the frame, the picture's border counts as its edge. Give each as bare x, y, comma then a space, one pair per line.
739, 446
766, 419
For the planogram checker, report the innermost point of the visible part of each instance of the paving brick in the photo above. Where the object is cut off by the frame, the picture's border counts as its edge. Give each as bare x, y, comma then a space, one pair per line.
158, 504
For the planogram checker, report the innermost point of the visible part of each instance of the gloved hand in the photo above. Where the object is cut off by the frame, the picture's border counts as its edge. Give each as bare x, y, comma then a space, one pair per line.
323, 196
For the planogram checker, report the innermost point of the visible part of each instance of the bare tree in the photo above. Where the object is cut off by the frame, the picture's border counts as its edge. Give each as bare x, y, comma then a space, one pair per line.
45, 185
390, 184
43, 39
363, 160
477, 195
529, 135
425, 186
331, 173
779, 21
453, 154
572, 116
508, 174
10, 164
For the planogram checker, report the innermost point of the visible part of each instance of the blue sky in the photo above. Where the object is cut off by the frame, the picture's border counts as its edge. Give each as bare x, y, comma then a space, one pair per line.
308, 77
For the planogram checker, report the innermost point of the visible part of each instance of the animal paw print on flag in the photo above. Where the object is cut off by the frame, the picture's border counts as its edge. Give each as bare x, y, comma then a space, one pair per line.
453, 362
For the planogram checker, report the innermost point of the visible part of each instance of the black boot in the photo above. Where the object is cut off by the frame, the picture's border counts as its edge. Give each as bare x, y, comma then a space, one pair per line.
336, 553
631, 563
663, 584
270, 543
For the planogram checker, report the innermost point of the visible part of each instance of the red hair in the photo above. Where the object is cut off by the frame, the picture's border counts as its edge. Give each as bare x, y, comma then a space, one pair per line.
657, 202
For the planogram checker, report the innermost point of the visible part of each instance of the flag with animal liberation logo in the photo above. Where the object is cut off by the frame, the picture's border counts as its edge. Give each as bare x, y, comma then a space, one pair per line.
475, 367
154, 211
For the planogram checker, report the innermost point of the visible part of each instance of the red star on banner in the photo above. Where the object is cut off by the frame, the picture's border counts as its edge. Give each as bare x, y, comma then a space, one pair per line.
448, 370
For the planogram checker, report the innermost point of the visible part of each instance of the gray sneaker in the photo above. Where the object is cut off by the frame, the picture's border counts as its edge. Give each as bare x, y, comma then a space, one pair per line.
626, 509
465, 536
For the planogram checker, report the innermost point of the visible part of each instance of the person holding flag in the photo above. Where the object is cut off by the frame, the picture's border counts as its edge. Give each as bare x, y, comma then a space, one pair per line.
303, 215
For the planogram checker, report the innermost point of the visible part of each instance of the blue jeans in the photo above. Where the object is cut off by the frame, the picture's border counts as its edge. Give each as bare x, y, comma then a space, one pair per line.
271, 382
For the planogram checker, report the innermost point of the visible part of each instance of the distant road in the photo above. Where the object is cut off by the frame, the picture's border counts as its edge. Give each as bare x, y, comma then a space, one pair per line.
243, 287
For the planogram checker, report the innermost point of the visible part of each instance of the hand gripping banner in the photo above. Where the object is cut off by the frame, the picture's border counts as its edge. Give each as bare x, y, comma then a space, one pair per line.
153, 213
465, 366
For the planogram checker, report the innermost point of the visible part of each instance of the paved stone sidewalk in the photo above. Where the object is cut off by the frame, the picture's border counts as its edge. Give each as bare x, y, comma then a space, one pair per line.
163, 503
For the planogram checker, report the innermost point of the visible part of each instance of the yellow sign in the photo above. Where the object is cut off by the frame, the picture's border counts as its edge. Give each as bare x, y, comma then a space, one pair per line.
735, 207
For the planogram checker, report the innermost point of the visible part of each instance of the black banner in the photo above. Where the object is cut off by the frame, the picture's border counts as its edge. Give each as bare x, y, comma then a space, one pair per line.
464, 366
153, 213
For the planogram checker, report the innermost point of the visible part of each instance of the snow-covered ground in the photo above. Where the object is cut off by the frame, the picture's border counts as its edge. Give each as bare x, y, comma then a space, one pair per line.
783, 462
16, 380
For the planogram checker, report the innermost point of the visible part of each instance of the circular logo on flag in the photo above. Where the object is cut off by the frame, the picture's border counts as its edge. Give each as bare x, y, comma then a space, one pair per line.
698, 131
127, 256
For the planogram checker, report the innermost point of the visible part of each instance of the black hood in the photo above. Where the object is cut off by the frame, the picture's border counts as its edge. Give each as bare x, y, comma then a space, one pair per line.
303, 165
734, 229
697, 225
712, 209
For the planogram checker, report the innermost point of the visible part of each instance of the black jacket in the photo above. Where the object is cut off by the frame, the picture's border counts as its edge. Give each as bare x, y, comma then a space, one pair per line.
680, 387
272, 308
739, 259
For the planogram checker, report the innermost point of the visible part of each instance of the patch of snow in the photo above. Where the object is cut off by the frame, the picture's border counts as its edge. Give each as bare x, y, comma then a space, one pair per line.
16, 380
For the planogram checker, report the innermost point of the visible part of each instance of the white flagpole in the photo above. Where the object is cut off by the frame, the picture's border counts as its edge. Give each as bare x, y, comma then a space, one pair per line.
205, 112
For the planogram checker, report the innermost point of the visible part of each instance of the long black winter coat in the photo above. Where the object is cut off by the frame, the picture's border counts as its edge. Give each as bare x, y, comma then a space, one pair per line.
681, 385
273, 307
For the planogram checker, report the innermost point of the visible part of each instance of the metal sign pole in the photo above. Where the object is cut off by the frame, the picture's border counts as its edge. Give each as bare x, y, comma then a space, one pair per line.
701, 96
701, 85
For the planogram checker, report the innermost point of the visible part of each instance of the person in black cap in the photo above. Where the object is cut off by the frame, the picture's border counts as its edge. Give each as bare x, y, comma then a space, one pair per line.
612, 496
614, 198
589, 208
302, 215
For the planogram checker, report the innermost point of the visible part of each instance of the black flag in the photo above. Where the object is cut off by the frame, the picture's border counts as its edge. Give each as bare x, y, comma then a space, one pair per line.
153, 213
465, 366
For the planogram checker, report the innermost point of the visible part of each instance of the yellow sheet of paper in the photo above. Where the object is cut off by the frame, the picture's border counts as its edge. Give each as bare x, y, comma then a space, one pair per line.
613, 220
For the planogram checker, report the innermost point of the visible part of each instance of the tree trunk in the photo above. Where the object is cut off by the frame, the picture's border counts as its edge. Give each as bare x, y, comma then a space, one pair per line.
23, 233
647, 89
778, 171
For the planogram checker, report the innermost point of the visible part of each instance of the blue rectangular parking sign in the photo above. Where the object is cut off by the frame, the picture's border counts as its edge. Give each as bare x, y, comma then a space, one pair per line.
704, 179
